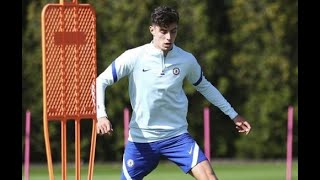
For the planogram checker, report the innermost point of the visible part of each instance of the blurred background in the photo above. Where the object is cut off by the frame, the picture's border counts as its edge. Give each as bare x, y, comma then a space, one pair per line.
248, 49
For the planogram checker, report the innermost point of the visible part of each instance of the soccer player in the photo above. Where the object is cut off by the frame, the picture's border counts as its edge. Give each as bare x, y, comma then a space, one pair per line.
158, 126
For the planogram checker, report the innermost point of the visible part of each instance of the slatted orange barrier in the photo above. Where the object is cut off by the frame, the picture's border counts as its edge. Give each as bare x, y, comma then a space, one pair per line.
69, 72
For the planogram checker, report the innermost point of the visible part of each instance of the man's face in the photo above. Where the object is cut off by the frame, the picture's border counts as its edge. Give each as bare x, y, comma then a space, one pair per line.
164, 37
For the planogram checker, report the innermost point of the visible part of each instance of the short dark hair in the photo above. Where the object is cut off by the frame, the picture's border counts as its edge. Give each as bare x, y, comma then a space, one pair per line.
163, 16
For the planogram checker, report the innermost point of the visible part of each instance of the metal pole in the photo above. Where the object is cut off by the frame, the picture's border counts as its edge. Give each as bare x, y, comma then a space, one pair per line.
206, 115
27, 146
289, 142
126, 124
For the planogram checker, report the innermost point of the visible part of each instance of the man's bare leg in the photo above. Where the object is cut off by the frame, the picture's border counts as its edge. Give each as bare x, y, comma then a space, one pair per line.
203, 171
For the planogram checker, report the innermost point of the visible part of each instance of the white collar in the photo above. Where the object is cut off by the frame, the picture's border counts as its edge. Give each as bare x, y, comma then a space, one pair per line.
155, 51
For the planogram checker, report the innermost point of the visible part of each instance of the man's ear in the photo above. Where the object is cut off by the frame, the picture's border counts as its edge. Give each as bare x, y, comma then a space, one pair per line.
151, 28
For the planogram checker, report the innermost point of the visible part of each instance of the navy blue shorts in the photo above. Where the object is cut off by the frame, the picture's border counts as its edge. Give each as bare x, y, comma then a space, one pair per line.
140, 159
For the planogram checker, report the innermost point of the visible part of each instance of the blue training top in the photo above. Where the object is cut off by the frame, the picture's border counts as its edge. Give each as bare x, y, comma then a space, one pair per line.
156, 90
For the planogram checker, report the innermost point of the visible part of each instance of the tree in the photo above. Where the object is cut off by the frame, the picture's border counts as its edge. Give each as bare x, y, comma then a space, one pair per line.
265, 68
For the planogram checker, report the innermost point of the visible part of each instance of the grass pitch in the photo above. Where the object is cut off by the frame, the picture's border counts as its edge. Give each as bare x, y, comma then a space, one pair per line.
225, 170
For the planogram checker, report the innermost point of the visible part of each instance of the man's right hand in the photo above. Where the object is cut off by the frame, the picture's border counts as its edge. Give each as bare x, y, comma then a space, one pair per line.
104, 126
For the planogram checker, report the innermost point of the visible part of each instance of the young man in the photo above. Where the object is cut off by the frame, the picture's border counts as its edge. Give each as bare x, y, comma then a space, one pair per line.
158, 125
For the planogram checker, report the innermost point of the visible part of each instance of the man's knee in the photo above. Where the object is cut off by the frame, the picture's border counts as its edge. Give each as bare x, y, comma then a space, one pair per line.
203, 171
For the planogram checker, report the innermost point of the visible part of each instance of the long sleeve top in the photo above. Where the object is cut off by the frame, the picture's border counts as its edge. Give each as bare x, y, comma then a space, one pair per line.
156, 93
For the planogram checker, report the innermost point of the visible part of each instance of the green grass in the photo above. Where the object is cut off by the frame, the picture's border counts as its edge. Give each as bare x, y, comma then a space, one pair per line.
226, 170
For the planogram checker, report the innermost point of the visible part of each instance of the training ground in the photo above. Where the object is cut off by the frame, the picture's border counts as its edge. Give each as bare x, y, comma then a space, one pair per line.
225, 169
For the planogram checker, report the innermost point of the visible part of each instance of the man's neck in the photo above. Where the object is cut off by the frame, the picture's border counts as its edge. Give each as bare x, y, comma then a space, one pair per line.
164, 52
